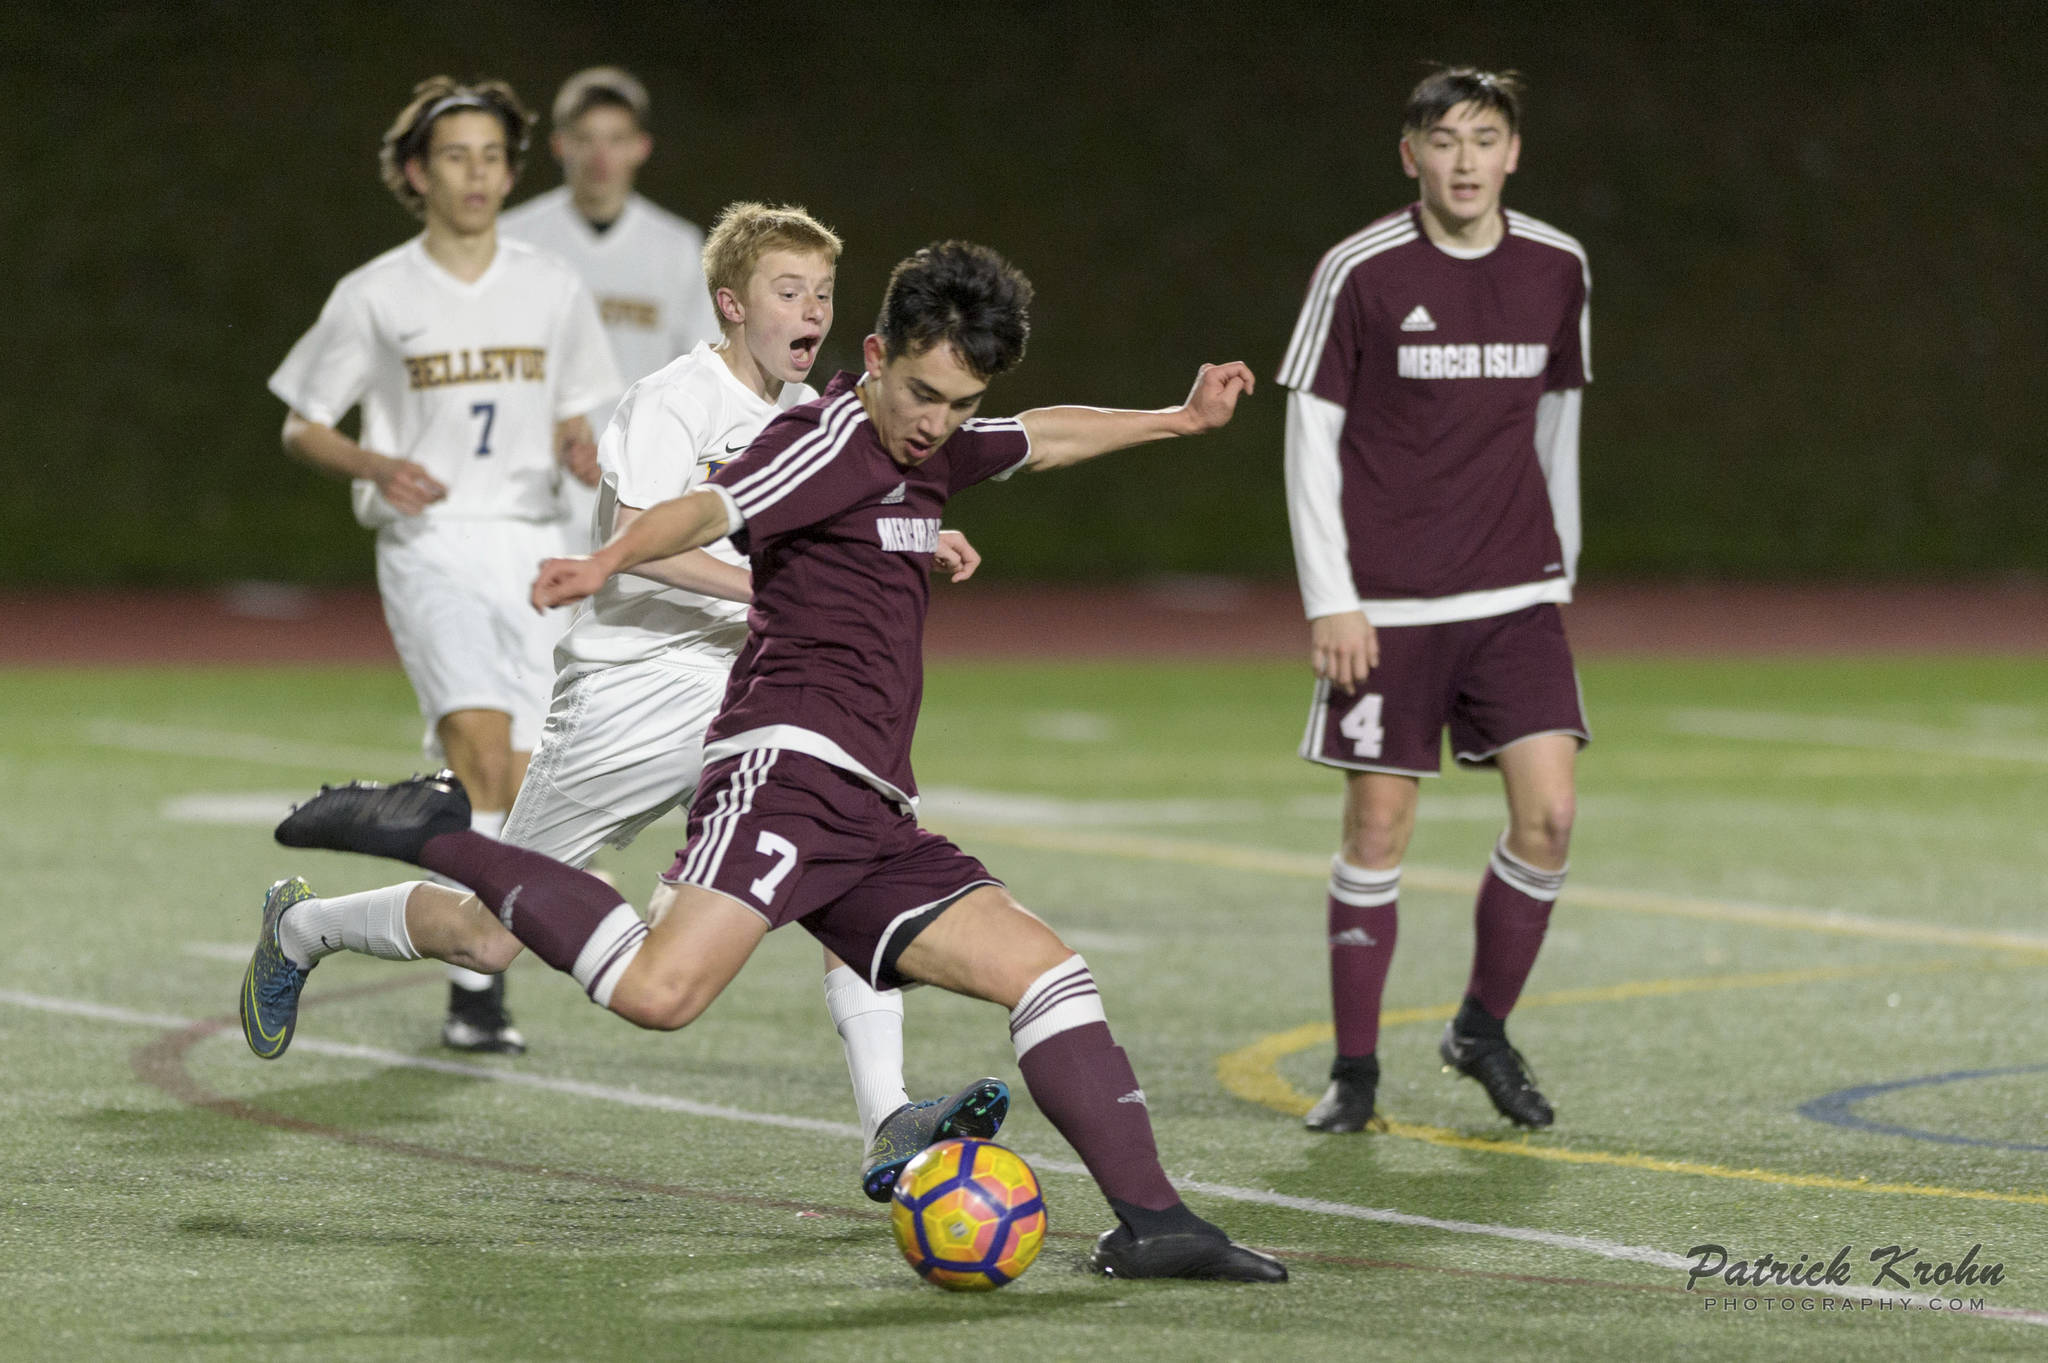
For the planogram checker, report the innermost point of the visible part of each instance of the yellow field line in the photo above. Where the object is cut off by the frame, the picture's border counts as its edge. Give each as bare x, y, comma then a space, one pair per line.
1251, 1073
1305, 866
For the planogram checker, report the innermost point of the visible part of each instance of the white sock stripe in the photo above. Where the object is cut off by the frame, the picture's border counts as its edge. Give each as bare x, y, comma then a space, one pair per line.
1049, 1000
1526, 879
1077, 1011
1060, 1000
609, 972
1362, 888
1072, 966
621, 927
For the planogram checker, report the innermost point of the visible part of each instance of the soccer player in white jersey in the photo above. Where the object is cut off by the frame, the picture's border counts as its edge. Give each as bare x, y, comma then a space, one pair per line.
473, 360
643, 668
639, 259
1432, 483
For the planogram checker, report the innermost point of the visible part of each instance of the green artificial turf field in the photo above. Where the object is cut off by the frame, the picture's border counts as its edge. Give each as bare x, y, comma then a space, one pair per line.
1797, 888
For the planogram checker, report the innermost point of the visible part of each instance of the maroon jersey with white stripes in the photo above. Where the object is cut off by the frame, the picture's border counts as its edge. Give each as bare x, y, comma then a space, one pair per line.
1438, 361
841, 539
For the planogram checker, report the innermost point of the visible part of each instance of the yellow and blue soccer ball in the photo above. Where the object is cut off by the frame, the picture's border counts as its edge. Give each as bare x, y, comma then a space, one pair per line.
968, 1215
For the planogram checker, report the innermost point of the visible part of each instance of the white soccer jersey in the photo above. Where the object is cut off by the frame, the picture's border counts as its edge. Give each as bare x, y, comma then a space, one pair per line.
672, 430
646, 271
467, 380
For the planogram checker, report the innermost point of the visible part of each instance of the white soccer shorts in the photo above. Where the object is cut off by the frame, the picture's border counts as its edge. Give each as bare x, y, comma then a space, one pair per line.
621, 747
456, 598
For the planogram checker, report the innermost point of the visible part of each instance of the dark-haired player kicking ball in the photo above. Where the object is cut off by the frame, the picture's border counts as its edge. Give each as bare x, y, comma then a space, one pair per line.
806, 810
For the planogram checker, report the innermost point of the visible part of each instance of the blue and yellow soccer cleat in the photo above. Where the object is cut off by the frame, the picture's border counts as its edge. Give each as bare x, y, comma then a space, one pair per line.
271, 985
976, 1111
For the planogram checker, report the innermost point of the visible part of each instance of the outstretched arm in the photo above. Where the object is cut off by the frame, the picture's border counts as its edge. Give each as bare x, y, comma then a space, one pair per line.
693, 570
1067, 435
661, 531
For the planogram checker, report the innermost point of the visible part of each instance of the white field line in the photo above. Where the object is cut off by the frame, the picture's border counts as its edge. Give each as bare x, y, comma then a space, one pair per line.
629, 1097
260, 749
1842, 731
237, 809
238, 952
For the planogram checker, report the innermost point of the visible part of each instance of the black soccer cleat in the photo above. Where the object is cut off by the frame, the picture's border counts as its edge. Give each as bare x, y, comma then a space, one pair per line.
1208, 1255
479, 1022
1501, 1071
393, 821
1347, 1105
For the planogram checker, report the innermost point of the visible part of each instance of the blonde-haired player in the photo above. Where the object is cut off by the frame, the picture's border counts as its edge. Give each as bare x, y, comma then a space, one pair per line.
472, 360
643, 668
639, 259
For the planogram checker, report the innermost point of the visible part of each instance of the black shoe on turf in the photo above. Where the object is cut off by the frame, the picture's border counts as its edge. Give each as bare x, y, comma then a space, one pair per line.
1209, 1255
393, 821
1347, 1105
975, 1112
479, 1022
1501, 1071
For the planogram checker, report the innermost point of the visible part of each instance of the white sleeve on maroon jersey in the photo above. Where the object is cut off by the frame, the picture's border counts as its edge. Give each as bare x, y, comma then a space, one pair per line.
1315, 509
1557, 450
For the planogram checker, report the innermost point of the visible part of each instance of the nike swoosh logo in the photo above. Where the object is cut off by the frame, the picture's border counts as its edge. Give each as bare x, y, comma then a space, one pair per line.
412, 335
735, 449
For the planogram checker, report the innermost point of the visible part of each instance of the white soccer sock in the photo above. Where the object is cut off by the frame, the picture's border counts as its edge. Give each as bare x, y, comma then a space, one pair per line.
490, 823
602, 963
1060, 1000
372, 923
870, 1024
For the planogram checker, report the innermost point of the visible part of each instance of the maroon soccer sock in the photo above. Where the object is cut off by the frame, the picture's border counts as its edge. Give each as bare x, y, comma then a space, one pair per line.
1509, 921
1363, 913
554, 909
1082, 1081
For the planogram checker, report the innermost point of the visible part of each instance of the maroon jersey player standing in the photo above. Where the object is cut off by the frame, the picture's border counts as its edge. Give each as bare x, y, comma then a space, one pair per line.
1432, 484
806, 809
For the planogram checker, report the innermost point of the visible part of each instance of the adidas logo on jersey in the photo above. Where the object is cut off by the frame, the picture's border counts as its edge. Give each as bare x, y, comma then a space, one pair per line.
896, 495
1135, 1096
1418, 320
1354, 937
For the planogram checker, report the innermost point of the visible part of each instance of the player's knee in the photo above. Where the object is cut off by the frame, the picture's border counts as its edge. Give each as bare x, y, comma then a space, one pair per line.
666, 1004
1547, 830
1376, 839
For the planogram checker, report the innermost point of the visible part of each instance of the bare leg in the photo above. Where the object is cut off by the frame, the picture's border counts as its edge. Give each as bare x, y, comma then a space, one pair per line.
454, 926
688, 959
479, 748
1540, 775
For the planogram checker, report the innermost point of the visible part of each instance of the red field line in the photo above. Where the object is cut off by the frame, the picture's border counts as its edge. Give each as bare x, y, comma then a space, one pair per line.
1184, 618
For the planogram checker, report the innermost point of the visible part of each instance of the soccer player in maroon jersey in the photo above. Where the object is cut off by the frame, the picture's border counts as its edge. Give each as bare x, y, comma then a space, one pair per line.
1432, 484
806, 810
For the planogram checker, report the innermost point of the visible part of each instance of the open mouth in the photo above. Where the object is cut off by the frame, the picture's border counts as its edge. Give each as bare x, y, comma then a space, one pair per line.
804, 350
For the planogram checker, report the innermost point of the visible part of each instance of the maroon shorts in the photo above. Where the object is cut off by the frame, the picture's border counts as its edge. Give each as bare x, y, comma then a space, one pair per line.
798, 840
1492, 681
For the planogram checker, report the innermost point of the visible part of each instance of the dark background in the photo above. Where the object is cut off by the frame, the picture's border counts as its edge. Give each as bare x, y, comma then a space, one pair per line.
1815, 233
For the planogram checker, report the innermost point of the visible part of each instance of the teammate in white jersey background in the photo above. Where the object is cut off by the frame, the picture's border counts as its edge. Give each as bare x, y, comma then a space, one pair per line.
473, 361
643, 668
1432, 486
638, 259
